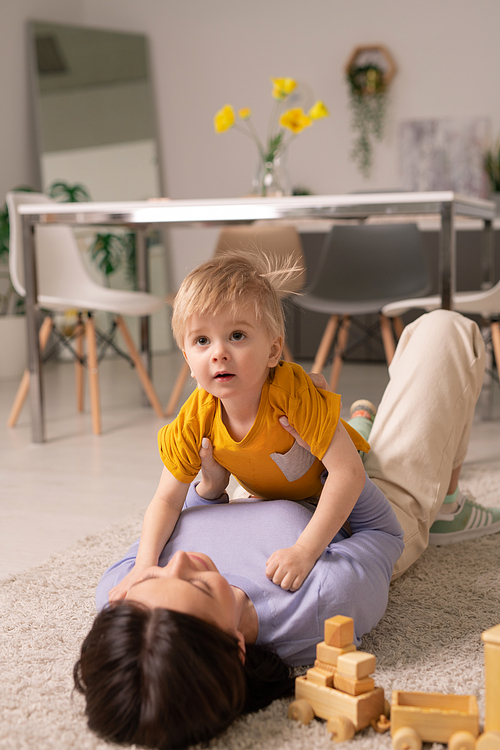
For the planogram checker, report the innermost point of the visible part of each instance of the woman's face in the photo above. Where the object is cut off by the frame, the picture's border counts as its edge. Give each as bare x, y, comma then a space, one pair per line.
190, 583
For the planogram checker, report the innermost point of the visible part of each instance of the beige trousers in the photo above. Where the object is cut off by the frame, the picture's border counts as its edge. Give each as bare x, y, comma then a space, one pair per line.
422, 428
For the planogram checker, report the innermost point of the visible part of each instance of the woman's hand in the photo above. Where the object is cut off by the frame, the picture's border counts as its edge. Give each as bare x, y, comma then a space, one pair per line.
319, 380
214, 477
120, 591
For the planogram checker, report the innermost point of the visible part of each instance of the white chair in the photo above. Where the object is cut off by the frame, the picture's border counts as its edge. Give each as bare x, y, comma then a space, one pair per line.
65, 284
484, 303
279, 240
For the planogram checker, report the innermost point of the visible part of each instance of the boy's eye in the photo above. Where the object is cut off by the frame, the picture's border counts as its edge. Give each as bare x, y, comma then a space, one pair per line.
202, 340
237, 336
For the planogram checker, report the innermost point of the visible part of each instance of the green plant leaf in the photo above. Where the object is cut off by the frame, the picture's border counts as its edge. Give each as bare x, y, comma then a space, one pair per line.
67, 193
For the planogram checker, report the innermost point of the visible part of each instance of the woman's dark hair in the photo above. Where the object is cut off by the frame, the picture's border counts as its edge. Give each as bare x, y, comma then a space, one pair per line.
163, 679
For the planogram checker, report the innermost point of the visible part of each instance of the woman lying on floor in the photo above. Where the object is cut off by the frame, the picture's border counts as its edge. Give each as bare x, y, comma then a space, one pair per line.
204, 636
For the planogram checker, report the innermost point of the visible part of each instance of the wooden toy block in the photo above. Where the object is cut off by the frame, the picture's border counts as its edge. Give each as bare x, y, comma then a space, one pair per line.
434, 717
330, 654
358, 664
339, 631
351, 685
488, 741
324, 666
491, 640
319, 677
327, 702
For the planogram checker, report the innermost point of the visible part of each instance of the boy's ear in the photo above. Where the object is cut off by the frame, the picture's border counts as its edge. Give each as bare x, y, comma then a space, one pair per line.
187, 360
275, 353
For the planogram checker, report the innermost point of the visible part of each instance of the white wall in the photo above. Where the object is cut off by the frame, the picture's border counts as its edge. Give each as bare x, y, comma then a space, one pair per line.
207, 53
210, 52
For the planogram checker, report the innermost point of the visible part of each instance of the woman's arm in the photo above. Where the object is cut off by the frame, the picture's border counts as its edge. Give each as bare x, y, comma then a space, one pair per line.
214, 477
159, 522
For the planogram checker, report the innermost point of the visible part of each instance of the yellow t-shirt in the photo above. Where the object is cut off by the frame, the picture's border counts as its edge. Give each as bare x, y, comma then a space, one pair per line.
267, 462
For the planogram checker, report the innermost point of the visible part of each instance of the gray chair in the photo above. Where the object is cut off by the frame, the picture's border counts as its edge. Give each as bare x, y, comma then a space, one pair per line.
361, 269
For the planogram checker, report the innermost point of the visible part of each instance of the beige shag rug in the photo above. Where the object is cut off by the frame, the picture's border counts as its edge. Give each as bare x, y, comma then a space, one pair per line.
428, 639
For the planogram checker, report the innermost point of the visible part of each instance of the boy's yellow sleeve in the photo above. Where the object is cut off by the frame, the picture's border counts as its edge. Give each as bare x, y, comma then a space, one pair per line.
314, 412
179, 442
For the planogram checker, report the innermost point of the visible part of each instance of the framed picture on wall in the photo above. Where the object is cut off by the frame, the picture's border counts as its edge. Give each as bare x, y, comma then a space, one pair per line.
444, 154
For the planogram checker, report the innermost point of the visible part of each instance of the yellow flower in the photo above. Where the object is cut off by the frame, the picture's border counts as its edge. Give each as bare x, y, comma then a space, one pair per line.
295, 120
224, 119
245, 113
282, 87
318, 110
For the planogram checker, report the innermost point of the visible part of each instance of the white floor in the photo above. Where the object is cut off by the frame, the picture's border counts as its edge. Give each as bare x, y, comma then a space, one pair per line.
76, 484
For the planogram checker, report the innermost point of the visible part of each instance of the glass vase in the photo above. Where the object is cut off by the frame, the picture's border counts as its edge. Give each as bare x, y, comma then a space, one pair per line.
272, 178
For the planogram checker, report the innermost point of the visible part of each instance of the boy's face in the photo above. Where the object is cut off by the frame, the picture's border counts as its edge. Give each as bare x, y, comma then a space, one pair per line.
230, 354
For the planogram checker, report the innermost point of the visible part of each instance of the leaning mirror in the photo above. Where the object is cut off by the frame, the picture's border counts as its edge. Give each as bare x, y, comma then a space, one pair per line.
94, 111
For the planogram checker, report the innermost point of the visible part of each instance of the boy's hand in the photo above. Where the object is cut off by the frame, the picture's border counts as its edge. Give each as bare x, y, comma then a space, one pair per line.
120, 591
289, 567
214, 477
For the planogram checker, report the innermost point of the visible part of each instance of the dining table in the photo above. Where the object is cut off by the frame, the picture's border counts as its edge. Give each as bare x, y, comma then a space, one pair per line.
141, 216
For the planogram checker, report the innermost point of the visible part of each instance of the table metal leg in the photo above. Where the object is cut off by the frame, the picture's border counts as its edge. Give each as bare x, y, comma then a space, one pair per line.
143, 285
487, 281
487, 255
447, 257
34, 359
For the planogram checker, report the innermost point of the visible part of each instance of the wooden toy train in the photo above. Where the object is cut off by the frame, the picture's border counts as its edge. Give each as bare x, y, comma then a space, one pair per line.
340, 689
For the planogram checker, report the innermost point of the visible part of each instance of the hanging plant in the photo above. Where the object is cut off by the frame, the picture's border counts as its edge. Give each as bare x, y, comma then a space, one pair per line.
369, 71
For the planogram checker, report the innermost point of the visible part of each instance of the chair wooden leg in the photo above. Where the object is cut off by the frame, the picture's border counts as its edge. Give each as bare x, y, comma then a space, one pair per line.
325, 343
79, 366
340, 348
177, 389
495, 338
95, 408
387, 338
398, 326
139, 367
24, 385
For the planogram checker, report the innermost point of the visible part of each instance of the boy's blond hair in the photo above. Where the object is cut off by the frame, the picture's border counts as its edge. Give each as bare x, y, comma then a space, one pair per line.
235, 279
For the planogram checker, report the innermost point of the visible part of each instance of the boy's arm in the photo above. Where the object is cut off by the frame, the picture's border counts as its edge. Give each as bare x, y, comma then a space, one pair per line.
289, 567
159, 522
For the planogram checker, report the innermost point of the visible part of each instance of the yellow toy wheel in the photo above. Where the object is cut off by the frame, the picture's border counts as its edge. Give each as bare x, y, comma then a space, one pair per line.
300, 710
341, 728
488, 741
462, 741
406, 738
